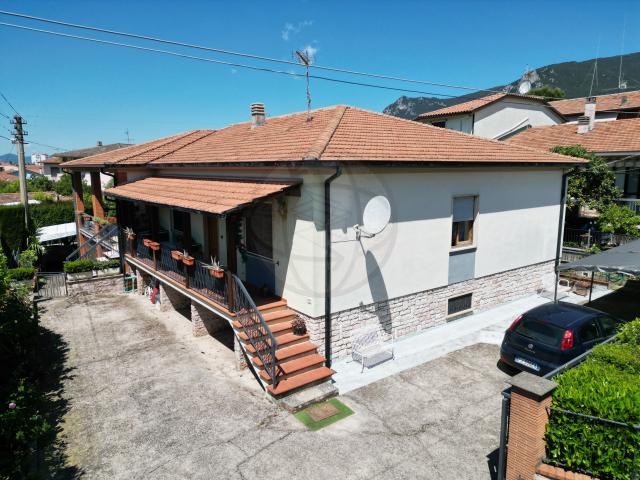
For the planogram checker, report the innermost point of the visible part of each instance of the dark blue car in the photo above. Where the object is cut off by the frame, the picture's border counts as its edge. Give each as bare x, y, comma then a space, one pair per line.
545, 337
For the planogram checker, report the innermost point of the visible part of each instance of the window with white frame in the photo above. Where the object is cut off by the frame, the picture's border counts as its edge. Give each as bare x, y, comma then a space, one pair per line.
464, 212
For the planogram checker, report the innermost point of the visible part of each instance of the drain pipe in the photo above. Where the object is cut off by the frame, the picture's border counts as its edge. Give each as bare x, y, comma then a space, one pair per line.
327, 264
563, 202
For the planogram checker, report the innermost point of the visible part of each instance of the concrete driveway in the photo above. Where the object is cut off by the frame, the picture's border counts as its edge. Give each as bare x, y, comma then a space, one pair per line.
149, 401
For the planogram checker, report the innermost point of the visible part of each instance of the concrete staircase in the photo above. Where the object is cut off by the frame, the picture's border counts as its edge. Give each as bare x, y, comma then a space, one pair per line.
299, 365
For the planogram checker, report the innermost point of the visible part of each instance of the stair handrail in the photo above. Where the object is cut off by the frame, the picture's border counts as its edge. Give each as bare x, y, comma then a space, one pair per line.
256, 328
98, 237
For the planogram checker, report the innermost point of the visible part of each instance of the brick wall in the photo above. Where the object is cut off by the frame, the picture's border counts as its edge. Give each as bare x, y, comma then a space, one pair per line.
418, 311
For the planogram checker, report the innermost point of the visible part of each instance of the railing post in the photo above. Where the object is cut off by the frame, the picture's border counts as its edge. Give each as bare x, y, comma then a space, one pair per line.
186, 274
229, 280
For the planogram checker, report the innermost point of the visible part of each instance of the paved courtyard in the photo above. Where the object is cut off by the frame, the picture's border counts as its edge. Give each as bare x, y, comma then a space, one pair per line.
150, 401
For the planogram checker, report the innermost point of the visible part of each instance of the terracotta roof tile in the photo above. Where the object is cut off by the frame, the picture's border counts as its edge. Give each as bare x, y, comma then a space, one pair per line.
334, 133
474, 105
206, 195
608, 136
615, 101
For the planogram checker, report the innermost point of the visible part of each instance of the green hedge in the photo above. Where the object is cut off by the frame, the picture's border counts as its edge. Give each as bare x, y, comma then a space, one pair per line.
87, 265
78, 266
606, 385
21, 273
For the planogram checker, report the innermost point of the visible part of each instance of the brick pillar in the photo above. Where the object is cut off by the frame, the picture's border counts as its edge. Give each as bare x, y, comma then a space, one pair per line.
78, 201
530, 397
170, 299
204, 321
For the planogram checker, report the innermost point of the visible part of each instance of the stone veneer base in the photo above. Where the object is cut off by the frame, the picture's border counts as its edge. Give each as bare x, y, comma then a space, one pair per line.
415, 312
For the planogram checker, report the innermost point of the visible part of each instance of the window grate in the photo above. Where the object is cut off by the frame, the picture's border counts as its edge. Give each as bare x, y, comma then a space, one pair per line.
459, 304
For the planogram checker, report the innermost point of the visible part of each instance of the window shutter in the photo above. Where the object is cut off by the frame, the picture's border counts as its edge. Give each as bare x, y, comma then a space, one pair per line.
463, 209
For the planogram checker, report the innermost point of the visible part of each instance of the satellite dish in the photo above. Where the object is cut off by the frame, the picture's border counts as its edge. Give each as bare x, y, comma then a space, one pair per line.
524, 86
375, 217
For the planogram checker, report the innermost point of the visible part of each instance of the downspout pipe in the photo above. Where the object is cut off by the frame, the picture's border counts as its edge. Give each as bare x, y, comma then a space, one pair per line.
327, 264
563, 202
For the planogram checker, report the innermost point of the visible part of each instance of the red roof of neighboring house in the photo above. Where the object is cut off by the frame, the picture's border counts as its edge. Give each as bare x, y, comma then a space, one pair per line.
7, 177
338, 133
474, 105
37, 169
611, 136
615, 101
206, 195
6, 198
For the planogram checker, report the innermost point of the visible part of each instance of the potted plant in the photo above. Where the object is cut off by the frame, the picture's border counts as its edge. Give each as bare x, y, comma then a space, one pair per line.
215, 269
299, 327
176, 255
110, 267
187, 259
112, 220
128, 231
78, 270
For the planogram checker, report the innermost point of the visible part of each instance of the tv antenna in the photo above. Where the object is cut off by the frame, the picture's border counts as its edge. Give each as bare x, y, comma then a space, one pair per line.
305, 59
622, 84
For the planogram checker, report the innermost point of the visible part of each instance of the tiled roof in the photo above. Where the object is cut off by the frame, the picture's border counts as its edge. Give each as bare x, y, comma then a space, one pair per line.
474, 105
611, 136
7, 177
206, 195
87, 152
615, 101
338, 133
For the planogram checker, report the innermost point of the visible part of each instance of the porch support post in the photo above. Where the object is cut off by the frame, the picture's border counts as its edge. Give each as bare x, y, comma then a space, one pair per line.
76, 187
97, 203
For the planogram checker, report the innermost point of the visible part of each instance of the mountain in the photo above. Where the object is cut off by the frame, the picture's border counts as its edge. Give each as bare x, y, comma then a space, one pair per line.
572, 77
9, 157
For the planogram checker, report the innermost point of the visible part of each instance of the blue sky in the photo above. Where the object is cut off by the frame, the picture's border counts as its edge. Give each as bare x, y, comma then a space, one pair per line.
74, 93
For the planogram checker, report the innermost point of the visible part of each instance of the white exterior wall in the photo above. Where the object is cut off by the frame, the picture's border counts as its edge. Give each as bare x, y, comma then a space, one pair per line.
500, 117
516, 226
462, 123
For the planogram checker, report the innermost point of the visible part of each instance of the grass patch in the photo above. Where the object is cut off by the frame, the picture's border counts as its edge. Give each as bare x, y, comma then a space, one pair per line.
304, 417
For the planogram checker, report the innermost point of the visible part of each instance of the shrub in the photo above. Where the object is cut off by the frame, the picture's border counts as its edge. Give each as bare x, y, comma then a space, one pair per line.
78, 266
21, 273
630, 333
115, 263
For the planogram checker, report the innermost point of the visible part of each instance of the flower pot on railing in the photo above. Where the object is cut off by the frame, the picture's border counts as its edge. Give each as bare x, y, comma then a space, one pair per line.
176, 255
147, 242
216, 273
155, 246
112, 220
188, 260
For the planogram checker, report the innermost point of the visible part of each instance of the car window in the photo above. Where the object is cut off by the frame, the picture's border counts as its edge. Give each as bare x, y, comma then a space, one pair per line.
589, 331
540, 331
609, 325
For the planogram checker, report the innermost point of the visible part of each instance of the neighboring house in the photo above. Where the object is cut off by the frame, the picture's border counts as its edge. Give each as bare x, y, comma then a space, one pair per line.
11, 170
53, 171
280, 203
618, 142
496, 116
14, 198
7, 176
616, 106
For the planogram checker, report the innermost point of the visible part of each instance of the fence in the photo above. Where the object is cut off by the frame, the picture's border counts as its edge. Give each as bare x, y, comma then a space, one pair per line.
51, 284
585, 239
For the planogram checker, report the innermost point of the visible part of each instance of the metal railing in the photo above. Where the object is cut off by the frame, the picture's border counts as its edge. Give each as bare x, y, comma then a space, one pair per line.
104, 238
587, 238
169, 266
632, 203
201, 281
255, 327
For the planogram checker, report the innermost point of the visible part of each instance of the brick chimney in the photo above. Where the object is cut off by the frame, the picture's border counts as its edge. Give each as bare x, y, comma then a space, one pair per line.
590, 111
583, 124
258, 116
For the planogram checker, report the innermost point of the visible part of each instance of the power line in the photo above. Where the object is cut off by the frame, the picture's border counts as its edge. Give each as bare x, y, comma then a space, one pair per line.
221, 62
5, 116
242, 54
9, 103
45, 145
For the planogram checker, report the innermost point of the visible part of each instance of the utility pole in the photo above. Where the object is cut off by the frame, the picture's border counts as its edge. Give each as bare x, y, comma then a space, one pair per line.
19, 141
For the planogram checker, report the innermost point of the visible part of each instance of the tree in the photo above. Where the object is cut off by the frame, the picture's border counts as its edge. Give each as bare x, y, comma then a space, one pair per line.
547, 92
39, 183
620, 220
593, 185
63, 186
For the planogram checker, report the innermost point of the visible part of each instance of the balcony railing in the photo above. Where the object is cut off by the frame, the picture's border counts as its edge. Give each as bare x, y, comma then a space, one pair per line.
632, 203
227, 292
587, 238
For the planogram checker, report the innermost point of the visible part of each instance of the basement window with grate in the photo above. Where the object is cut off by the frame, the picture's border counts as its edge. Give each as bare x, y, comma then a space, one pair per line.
459, 305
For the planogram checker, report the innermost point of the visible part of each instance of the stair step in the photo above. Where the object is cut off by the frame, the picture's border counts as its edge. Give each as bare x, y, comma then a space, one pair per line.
293, 366
277, 329
285, 340
297, 381
279, 316
273, 306
287, 353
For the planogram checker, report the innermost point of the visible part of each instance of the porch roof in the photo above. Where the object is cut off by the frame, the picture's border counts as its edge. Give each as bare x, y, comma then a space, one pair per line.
216, 196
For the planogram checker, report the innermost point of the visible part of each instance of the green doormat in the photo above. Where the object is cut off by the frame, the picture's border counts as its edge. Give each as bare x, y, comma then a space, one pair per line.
322, 414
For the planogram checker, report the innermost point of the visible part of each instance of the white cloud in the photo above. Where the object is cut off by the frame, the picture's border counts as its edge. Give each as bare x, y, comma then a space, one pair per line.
291, 29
